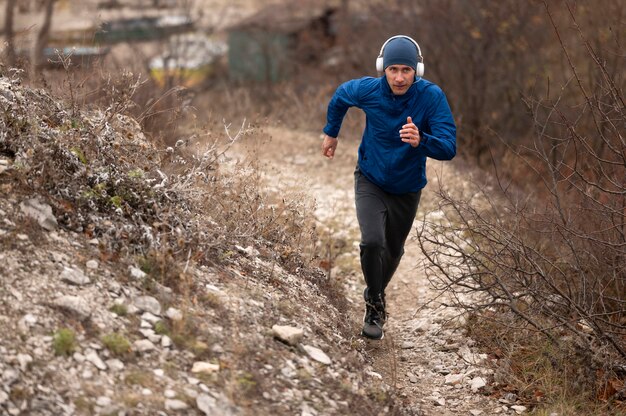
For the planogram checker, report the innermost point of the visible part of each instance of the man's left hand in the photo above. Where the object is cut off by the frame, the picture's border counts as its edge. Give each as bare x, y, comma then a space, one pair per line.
410, 133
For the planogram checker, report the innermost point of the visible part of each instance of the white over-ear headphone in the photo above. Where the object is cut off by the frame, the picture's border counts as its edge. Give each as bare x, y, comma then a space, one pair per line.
419, 70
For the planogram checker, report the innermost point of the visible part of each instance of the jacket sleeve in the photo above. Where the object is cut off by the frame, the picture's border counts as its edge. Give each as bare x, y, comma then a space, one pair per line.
346, 96
440, 143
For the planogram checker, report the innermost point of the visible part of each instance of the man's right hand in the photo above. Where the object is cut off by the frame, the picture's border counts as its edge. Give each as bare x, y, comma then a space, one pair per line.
328, 146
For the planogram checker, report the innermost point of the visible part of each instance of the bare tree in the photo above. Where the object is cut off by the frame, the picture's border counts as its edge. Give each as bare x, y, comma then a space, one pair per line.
37, 60
9, 33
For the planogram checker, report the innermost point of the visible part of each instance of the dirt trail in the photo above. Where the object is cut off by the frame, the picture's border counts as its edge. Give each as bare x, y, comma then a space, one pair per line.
431, 365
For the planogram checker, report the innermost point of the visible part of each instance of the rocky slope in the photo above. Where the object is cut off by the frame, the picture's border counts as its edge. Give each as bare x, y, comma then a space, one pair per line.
130, 286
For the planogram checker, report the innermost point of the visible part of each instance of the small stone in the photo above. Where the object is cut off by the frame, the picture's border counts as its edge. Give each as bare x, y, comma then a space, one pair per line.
172, 404
158, 372
207, 404
476, 412
24, 360
510, 397
94, 242
4, 397
407, 345
143, 345
78, 357
74, 276
288, 334
519, 409
114, 364
439, 401
453, 379
41, 212
146, 392
166, 342
92, 264
204, 367
95, 359
317, 354
148, 304
174, 314
103, 401
477, 383
136, 273
74, 304
169, 394
87, 374
412, 377
153, 319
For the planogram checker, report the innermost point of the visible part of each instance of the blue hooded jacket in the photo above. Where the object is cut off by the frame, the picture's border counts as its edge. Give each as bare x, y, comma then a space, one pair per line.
384, 158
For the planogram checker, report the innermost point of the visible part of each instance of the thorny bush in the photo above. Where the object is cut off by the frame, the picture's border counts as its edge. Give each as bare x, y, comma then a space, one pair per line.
105, 179
550, 260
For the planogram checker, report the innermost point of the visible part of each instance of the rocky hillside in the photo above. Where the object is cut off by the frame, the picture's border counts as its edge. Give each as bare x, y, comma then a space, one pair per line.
139, 280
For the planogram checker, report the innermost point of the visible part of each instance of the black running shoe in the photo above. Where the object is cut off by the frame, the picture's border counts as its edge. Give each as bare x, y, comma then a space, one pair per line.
374, 318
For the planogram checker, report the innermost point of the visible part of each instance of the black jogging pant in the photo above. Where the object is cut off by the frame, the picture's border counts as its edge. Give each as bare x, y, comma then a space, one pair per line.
385, 221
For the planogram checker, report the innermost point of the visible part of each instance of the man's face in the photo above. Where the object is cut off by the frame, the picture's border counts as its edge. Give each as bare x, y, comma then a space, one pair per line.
399, 78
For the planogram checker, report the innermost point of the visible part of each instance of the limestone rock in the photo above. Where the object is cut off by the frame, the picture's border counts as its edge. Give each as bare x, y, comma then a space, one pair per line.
204, 367
41, 212
288, 334
148, 304
74, 276
317, 354
74, 304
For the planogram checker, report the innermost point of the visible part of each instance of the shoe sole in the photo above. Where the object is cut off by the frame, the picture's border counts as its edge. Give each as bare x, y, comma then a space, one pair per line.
372, 338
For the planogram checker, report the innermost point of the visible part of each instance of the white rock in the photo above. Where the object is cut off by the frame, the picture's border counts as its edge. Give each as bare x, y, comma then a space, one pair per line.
103, 401
136, 273
204, 367
317, 354
92, 264
158, 372
87, 374
452, 379
148, 304
173, 404
169, 394
439, 401
288, 334
24, 360
4, 397
41, 212
374, 374
519, 409
146, 392
78, 357
95, 359
74, 276
74, 304
477, 383
166, 342
143, 345
153, 319
407, 345
476, 412
29, 319
114, 364
174, 314
207, 404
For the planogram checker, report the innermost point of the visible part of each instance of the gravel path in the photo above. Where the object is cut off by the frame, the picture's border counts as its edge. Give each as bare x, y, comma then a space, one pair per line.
425, 356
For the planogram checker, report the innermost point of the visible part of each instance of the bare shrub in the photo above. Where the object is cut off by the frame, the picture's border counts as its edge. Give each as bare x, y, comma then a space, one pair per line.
548, 259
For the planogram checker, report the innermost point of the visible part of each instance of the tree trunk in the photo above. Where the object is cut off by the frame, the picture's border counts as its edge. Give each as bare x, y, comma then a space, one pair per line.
9, 33
42, 37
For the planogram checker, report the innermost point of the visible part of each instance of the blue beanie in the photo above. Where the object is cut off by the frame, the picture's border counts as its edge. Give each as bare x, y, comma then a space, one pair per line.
400, 51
